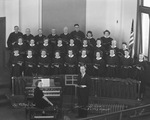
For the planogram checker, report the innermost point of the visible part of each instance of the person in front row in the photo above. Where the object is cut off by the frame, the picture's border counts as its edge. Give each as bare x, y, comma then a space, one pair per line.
40, 100
83, 85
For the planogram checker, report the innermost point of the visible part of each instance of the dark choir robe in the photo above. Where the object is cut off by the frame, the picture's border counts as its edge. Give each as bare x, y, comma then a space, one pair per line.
78, 36
112, 65
17, 65
106, 42
85, 61
44, 64
71, 64
121, 53
22, 48
99, 67
53, 38
39, 39
100, 48
57, 66
12, 39
126, 67
83, 91
74, 48
65, 38
30, 66
48, 49
89, 50
62, 50
91, 41
27, 38
34, 49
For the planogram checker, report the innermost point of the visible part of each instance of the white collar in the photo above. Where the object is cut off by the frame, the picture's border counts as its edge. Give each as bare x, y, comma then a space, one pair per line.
127, 56
89, 37
141, 60
40, 35
20, 43
98, 46
44, 56
113, 46
112, 55
71, 44
29, 56
98, 58
45, 44
85, 45
70, 56
84, 56
16, 55
32, 44
107, 36
59, 45
57, 57
65, 33
53, 34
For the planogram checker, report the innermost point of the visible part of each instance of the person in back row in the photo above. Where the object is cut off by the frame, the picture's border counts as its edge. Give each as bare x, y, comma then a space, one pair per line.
28, 36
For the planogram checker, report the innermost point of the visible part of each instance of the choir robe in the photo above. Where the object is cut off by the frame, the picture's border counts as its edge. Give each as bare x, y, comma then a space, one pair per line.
53, 39
34, 49
112, 65
74, 48
16, 69
78, 36
12, 39
61, 49
30, 66
27, 38
48, 49
39, 39
126, 67
83, 94
121, 53
85, 61
89, 50
99, 67
106, 42
65, 38
71, 65
57, 66
91, 41
44, 66
22, 48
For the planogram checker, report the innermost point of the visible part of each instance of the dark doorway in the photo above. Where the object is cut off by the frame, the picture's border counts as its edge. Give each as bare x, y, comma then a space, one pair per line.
2, 42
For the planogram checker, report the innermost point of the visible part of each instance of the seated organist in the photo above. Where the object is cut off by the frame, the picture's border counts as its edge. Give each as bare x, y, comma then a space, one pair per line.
70, 63
106, 39
40, 100
30, 64
53, 37
91, 40
39, 38
57, 64
13, 37
99, 65
43, 64
77, 35
16, 63
65, 36
28, 36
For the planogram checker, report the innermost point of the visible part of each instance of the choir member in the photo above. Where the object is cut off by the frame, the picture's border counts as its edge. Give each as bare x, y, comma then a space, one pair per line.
84, 60
88, 48
83, 85
28, 36
99, 47
16, 63
53, 37
99, 65
13, 37
139, 72
77, 35
106, 40
21, 46
47, 46
123, 48
33, 46
65, 36
60, 47
112, 64
114, 46
126, 65
57, 64
43, 64
30, 64
70, 63
91, 40
39, 38
39, 99
73, 47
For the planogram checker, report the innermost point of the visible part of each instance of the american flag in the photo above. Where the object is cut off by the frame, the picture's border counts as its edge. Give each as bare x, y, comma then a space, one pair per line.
131, 41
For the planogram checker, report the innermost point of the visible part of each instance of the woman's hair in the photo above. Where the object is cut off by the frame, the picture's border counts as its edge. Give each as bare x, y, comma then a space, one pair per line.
37, 82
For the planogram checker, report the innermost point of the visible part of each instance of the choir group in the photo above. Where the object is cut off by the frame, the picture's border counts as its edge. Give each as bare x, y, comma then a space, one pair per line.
53, 55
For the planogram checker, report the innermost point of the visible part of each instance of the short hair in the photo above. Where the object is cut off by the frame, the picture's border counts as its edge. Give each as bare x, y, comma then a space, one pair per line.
106, 31
37, 82
16, 26
43, 50
90, 32
124, 43
126, 50
76, 25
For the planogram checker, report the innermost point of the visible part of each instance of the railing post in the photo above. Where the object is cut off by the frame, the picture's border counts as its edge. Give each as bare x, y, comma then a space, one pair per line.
120, 117
13, 89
